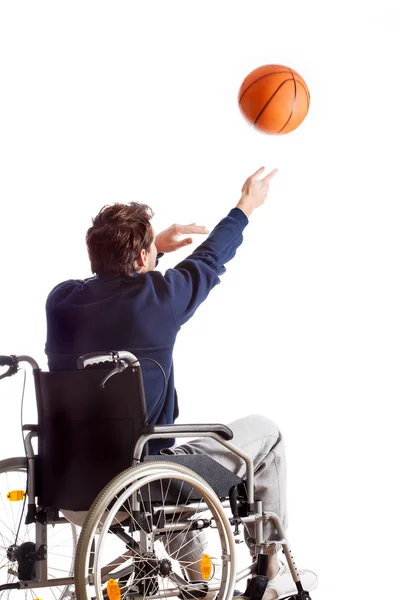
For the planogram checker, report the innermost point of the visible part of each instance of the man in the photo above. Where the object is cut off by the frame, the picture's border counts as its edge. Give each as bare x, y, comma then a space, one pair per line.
128, 305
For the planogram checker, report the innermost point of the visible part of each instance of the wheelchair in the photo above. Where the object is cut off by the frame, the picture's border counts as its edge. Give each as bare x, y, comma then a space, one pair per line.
90, 513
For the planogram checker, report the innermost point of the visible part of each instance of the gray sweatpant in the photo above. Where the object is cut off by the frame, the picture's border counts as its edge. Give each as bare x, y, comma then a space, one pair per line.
260, 438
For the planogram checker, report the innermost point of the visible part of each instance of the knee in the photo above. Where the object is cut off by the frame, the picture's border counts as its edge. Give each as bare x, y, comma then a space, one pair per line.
267, 426
259, 424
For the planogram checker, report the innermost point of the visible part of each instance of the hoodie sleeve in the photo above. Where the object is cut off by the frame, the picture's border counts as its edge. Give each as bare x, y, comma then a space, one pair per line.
189, 283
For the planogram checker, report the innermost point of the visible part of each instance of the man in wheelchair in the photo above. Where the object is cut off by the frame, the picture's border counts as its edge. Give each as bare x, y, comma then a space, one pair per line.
144, 530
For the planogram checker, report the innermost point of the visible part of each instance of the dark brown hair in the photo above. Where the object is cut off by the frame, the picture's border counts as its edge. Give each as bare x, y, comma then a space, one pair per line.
118, 234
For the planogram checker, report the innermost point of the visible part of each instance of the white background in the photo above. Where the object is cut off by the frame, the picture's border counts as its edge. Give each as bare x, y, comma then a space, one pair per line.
119, 101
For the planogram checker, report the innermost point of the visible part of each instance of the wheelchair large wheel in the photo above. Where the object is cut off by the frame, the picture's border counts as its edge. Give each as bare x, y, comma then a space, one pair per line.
141, 538
17, 539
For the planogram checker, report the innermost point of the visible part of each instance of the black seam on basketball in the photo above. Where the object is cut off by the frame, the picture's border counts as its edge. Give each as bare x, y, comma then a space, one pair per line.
307, 91
269, 100
293, 105
259, 79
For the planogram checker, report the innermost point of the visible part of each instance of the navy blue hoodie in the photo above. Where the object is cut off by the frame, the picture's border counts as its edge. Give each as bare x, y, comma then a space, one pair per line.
141, 314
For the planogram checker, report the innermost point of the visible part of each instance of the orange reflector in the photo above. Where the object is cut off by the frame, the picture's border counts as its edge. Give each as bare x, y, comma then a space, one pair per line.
113, 591
206, 566
16, 495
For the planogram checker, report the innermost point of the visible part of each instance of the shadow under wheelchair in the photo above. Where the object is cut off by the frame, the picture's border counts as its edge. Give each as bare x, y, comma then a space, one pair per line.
153, 527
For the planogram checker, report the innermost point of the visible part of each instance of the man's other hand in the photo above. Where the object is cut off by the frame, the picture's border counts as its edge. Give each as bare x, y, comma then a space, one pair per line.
170, 239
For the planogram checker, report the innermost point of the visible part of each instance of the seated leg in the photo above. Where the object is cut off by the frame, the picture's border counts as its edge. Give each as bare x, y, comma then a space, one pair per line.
261, 439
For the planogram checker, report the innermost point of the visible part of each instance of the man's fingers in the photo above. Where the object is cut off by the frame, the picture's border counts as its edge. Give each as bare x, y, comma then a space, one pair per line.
267, 177
192, 228
184, 242
257, 173
270, 175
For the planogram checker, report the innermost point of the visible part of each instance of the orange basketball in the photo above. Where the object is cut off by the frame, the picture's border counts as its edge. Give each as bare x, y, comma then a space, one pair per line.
274, 99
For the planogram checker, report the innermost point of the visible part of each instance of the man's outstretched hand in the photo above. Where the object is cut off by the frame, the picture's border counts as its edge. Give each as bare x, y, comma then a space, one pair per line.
255, 191
169, 240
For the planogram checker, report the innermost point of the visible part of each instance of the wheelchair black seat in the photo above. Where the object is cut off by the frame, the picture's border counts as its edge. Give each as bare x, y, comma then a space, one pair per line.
217, 476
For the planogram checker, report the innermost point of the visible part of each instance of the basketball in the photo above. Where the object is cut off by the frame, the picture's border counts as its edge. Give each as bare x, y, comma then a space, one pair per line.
274, 99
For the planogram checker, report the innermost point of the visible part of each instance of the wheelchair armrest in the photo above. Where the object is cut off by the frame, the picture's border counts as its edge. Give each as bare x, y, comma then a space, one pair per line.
194, 429
30, 428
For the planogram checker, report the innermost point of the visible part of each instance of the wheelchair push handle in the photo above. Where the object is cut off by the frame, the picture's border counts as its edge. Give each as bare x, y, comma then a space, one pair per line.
7, 361
12, 362
94, 358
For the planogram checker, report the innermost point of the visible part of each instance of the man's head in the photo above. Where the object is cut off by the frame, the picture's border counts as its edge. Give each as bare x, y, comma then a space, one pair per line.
121, 240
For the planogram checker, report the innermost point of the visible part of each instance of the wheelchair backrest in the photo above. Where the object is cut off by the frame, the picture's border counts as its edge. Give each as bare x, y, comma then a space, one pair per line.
86, 433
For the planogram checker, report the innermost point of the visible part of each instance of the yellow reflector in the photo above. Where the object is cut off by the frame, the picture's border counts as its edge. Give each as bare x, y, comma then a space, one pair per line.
113, 591
16, 495
206, 566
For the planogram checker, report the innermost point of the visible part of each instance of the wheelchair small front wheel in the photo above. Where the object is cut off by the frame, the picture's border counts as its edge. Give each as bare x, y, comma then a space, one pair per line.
157, 530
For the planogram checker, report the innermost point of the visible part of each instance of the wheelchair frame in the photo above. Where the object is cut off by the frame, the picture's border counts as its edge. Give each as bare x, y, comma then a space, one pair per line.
255, 513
